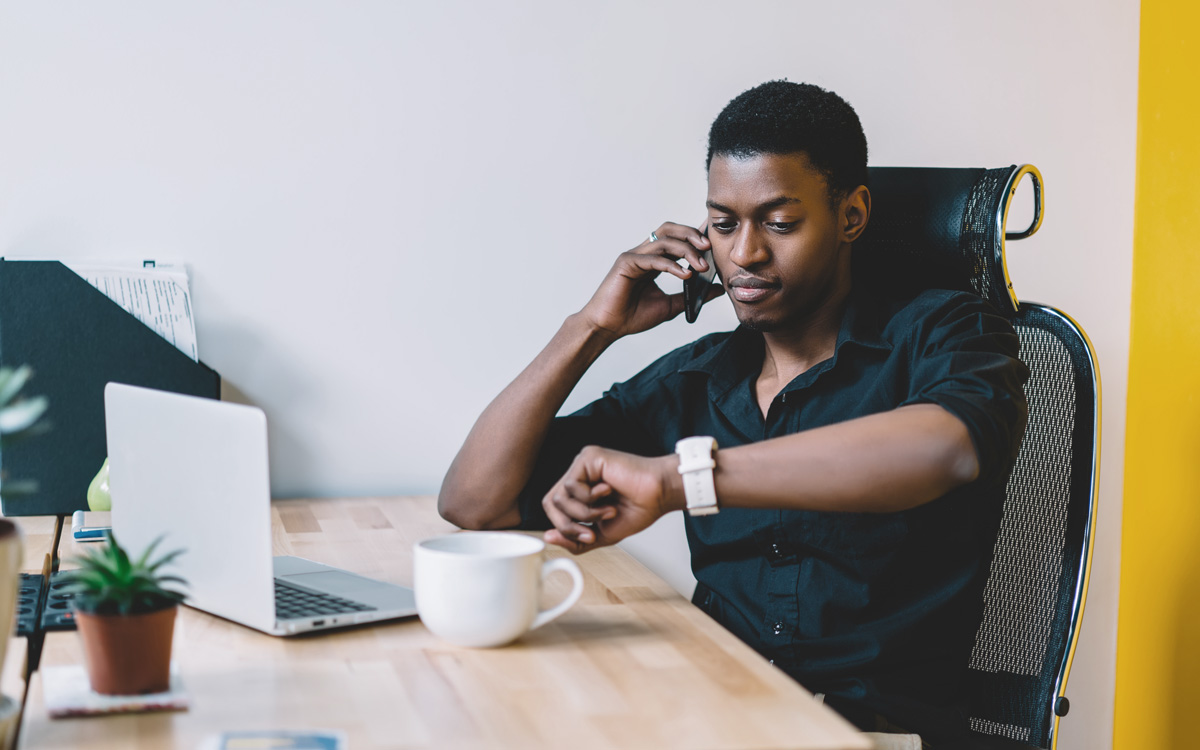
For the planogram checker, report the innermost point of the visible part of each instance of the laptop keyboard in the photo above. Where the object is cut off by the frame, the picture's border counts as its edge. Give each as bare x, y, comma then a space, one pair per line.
292, 602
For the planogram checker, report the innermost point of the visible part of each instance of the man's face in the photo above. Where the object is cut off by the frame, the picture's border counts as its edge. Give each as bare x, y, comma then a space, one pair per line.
777, 240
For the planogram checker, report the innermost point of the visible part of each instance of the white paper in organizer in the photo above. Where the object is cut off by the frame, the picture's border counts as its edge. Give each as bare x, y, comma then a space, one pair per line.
158, 295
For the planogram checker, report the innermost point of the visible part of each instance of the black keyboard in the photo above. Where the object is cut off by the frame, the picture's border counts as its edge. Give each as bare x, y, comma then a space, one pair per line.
39, 610
29, 603
292, 602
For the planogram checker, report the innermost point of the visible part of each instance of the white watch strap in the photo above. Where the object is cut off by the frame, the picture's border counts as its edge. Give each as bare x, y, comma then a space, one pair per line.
695, 466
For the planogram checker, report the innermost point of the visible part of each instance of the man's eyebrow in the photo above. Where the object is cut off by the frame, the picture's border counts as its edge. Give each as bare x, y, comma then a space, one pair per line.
782, 200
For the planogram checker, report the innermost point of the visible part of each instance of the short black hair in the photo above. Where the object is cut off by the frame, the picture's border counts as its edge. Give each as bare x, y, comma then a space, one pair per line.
781, 117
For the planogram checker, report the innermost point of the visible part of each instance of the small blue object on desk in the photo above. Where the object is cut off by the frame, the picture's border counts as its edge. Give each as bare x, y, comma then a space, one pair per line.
278, 740
82, 532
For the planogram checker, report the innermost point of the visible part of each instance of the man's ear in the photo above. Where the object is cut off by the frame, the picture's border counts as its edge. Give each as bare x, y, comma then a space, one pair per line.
855, 213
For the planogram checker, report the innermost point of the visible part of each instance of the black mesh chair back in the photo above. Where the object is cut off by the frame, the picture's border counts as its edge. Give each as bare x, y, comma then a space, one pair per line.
946, 228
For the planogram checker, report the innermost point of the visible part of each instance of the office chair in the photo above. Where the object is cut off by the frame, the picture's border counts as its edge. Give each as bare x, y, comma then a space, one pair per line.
946, 228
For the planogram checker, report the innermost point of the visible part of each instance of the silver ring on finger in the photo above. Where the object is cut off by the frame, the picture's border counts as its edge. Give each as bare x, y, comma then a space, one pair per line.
653, 237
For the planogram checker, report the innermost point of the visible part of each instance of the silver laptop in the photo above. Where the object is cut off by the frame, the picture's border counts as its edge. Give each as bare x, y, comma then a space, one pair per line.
195, 470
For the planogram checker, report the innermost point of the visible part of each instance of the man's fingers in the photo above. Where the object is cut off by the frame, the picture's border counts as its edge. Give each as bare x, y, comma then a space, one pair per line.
580, 511
690, 246
563, 523
554, 537
677, 305
582, 514
577, 502
578, 548
685, 233
578, 490
658, 264
673, 248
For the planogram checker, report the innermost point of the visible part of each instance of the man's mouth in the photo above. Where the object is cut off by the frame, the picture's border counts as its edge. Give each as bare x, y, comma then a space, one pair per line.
750, 288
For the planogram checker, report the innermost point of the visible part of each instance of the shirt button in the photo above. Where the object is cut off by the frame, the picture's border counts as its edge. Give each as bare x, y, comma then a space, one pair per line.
777, 628
776, 551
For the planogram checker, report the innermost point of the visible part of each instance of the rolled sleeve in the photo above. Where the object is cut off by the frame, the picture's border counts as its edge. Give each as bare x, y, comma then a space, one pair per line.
966, 361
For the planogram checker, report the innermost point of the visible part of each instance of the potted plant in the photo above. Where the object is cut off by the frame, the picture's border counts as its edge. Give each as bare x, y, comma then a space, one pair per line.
20, 418
126, 617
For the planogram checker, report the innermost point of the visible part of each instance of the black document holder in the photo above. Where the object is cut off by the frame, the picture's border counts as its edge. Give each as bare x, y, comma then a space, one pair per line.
76, 340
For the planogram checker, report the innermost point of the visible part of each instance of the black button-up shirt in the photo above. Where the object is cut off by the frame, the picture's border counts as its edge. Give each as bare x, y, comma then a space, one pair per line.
878, 610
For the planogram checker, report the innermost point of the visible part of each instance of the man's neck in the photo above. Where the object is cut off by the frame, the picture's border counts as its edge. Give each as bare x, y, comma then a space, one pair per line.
788, 353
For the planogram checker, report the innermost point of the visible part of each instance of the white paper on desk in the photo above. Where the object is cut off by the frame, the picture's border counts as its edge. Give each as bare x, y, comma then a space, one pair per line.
67, 691
157, 295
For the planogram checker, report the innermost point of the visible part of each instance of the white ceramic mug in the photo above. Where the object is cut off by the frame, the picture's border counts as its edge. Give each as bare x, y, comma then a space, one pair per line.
482, 588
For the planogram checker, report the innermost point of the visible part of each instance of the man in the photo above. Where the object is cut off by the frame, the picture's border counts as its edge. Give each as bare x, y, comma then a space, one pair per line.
864, 442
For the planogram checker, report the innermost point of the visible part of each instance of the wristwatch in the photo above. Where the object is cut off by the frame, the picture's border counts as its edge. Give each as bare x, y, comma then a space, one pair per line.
695, 465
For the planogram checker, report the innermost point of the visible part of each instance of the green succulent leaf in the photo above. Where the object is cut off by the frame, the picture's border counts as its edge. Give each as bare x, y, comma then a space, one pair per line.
15, 490
145, 557
19, 420
41, 427
21, 415
108, 577
108, 581
12, 381
124, 566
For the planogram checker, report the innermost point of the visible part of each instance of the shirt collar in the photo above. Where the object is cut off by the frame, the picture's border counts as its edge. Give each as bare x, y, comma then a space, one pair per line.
740, 354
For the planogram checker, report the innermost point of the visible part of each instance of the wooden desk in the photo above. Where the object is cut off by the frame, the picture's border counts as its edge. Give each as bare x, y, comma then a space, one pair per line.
39, 533
633, 665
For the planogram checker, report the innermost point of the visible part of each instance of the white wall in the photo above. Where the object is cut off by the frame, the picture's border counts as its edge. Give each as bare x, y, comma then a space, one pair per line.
389, 207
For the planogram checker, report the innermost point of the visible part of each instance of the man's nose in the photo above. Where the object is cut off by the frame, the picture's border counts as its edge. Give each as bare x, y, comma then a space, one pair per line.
749, 249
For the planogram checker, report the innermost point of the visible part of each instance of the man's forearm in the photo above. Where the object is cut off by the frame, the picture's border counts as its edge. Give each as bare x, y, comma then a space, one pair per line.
882, 463
498, 456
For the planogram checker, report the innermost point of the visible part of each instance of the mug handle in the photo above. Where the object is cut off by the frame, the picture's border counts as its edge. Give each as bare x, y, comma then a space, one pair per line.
567, 566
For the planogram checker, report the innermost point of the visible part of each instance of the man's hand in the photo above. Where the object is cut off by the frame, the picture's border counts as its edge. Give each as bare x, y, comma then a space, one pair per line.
608, 495
481, 487
628, 301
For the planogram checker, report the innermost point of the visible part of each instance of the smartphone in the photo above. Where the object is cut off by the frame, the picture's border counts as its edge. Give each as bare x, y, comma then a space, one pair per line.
695, 287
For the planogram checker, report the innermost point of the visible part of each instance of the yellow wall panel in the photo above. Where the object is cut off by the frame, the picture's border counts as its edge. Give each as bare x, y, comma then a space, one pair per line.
1158, 643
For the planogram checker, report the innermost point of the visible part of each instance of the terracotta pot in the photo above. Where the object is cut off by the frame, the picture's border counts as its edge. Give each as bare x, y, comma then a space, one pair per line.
128, 654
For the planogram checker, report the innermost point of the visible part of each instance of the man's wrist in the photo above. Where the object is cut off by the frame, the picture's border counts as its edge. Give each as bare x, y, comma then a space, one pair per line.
673, 495
592, 335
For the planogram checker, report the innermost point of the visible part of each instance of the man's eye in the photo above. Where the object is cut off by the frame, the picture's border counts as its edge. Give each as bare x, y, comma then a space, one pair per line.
782, 226
724, 227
